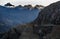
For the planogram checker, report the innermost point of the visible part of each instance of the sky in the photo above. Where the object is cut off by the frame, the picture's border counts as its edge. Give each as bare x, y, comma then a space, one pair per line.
26, 2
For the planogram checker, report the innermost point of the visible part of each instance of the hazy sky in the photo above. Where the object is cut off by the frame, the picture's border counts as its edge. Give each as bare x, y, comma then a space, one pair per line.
25, 2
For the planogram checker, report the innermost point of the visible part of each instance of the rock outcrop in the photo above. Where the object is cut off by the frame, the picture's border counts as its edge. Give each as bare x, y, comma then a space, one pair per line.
49, 15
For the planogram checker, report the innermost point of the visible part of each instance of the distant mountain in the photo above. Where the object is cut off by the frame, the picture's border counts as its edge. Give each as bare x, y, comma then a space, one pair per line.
39, 6
28, 6
25, 6
14, 16
8, 4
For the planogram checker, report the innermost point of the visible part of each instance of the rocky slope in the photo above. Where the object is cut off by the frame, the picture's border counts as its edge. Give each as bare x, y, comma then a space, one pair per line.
49, 18
50, 14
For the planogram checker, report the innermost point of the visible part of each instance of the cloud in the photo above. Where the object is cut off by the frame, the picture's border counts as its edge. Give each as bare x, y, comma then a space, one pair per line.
33, 2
